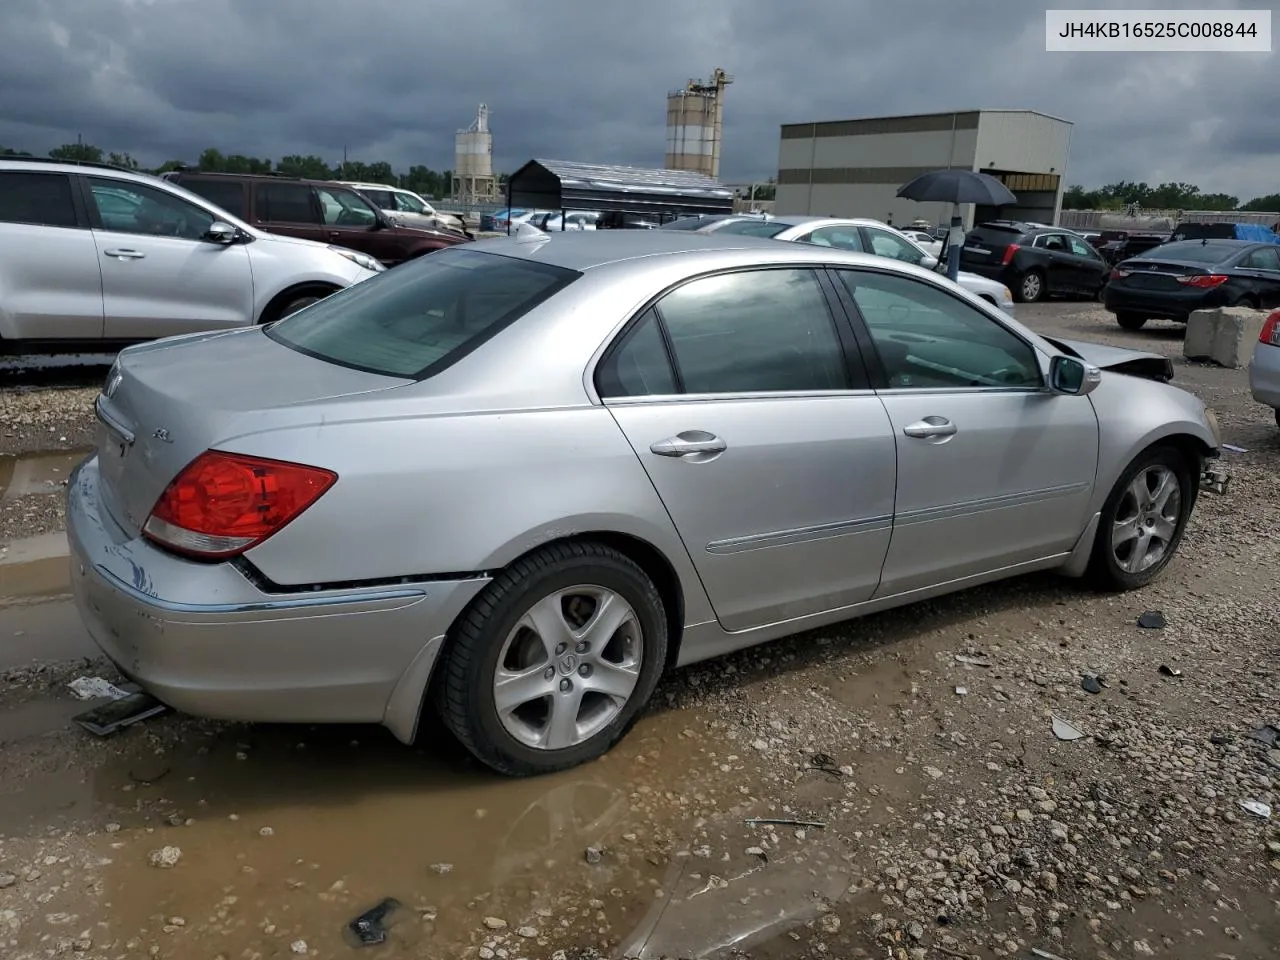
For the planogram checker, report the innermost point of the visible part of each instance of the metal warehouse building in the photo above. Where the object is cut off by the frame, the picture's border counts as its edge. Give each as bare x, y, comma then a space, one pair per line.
853, 168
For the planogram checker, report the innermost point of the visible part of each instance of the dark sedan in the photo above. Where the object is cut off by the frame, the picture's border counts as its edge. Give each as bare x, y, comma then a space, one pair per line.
1171, 280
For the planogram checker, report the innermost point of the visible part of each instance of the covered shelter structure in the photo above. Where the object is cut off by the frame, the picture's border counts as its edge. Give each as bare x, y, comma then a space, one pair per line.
563, 185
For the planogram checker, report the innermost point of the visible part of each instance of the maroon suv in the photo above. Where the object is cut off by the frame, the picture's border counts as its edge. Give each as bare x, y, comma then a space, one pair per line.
315, 210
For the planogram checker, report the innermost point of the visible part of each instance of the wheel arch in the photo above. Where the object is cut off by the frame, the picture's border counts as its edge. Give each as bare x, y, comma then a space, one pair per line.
277, 303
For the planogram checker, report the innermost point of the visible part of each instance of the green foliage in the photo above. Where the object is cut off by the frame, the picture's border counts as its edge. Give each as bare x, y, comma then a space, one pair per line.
1166, 196
77, 151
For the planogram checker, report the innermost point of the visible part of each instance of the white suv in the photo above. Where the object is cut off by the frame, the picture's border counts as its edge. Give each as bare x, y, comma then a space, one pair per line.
92, 252
404, 204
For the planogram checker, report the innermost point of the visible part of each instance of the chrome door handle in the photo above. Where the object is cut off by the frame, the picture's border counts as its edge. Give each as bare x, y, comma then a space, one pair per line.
687, 443
125, 254
930, 427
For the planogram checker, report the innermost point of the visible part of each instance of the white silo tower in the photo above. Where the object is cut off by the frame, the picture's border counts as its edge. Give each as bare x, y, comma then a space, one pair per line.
473, 179
695, 124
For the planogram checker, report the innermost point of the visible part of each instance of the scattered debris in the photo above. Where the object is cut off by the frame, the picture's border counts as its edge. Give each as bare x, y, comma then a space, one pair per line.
165, 857
1266, 734
1234, 449
592, 855
1257, 808
826, 764
762, 821
1045, 954
95, 688
495, 923
370, 927
1090, 683
442, 868
971, 660
1168, 671
299, 946
1065, 730
962, 691
1153, 620
130, 709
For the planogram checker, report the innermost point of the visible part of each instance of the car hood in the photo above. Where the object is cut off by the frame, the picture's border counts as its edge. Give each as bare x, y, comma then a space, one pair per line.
1137, 363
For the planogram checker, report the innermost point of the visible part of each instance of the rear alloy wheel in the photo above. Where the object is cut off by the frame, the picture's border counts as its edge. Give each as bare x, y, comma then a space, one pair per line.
1031, 287
1143, 520
1131, 321
553, 662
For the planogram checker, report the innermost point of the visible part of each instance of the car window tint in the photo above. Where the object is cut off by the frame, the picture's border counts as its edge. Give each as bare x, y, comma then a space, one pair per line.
285, 203
759, 330
342, 208
927, 338
639, 365
1264, 258
886, 244
132, 208
409, 203
385, 199
39, 198
842, 238
1080, 248
227, 195
423, 316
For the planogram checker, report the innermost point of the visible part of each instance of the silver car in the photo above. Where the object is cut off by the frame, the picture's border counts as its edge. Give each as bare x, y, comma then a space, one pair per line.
93, 252
1264, 368
516, 482
870, 236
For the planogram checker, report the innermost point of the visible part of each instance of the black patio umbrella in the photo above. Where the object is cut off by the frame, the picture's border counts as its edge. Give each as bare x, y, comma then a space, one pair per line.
956, 187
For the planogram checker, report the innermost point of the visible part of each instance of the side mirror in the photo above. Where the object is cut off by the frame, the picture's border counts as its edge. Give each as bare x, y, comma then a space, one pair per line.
219, 232
1073, 377
929, 262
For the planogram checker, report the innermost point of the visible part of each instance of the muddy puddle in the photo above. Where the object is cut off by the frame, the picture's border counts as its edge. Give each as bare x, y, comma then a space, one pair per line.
37, 473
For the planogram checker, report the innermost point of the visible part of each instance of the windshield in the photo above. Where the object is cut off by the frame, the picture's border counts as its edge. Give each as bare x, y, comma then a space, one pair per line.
754, 228
423, 316
1193, 251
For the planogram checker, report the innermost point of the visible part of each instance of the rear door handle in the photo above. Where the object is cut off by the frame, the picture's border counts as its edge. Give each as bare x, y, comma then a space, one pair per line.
125, 254
687, 443
930, 428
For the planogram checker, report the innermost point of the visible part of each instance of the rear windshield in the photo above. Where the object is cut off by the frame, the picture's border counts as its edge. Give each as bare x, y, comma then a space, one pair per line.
688, 223
1193, 251
422, 316
754, 228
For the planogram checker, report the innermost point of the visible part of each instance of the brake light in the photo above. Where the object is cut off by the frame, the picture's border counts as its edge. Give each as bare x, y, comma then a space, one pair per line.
1271, 330
1009, 251
1118, 274
222, 504
1203, 281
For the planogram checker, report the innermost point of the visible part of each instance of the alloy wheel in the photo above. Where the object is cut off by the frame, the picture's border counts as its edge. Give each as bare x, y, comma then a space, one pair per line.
1032, 287
1147, 519
568, 668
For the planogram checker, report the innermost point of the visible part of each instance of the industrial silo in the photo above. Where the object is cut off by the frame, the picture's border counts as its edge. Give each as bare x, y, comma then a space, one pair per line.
695, 125
473, 179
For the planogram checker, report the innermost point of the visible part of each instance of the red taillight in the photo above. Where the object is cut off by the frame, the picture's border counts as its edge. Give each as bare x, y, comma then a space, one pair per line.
1271, 330
1118, 274
222, 504
1203, 281
1009, 251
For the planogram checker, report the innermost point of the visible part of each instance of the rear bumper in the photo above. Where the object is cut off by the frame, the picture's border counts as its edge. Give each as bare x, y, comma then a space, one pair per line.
1164, 304
1264, 375
203, 639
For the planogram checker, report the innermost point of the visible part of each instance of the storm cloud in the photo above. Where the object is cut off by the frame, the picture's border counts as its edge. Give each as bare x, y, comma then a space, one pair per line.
586, 80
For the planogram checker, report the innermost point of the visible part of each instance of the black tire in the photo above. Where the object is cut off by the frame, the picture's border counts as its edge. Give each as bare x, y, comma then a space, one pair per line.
293, 306
1131, 321
1031, 287
465, 695
1105, 572
291, 301
1247, 301
1278, 418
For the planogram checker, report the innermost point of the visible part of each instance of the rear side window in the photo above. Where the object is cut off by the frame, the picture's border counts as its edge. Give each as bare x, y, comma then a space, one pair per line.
225, 194
40, 198
418, 319
382, 198
286, 203
639, 366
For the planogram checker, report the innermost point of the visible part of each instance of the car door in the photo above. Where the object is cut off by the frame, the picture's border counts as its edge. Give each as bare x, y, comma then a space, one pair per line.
50, 284
840, 237
1055, 254
993, 470
350, 221
1262, 266
769, 452
159, 277
1089, 268
288, 208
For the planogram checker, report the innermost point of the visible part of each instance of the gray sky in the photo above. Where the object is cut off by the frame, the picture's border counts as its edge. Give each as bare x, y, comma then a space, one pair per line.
586, 80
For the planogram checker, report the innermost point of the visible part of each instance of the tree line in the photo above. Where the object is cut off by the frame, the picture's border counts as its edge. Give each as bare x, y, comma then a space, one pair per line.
420, 179
1166, 196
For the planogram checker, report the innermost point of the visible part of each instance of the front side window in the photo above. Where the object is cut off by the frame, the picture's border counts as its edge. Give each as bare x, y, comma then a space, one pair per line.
409, 203
639, 365
1264, 258
132, 208
43, 199
421, 317
926, 338
1081, 249
842, 238
753, 331
285, 203
886, 244
342, 208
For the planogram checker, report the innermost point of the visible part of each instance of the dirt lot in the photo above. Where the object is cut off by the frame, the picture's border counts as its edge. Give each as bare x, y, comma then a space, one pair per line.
931, 810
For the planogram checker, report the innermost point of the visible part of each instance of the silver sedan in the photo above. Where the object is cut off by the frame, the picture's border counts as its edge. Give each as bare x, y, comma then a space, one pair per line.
516, 482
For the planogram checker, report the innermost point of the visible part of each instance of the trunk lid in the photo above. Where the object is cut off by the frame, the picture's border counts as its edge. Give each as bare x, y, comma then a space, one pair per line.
1156, 274
986, 246
166, 402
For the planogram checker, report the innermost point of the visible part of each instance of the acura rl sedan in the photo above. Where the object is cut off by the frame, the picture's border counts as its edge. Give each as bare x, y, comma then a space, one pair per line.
516, 481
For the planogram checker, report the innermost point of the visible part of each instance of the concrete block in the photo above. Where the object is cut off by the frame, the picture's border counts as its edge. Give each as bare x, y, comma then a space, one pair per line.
1224, 335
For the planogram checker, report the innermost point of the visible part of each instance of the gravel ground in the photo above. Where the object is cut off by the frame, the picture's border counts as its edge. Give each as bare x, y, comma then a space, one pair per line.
954, 823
